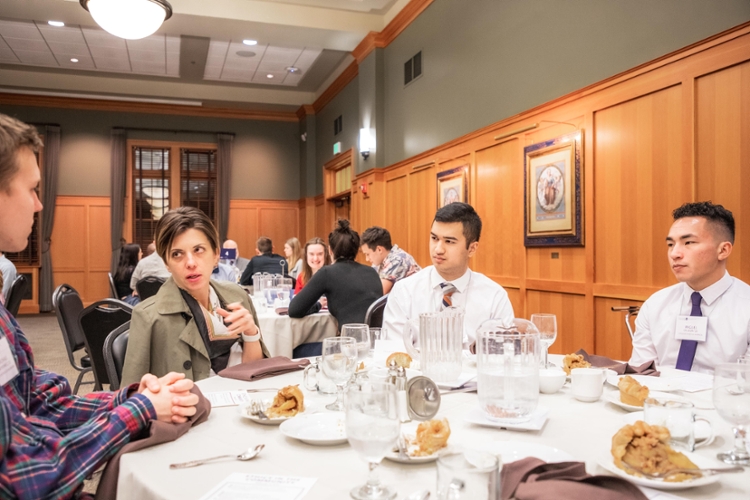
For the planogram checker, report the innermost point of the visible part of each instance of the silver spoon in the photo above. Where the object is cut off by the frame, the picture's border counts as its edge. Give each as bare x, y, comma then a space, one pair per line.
248, 455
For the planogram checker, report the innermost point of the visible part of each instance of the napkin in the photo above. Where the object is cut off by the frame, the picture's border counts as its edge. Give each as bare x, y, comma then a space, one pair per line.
533, 479
262, 368
647, 368
158, 432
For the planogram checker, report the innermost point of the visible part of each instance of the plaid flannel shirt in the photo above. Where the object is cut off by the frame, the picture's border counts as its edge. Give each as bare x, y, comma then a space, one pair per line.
50, 440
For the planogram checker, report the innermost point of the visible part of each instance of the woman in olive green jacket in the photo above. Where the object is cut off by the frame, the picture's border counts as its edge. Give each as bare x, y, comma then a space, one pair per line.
193, 325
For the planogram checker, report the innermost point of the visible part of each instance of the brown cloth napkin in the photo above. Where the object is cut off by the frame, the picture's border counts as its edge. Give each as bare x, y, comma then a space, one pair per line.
647, 368
533, 479
158, 432
262, 368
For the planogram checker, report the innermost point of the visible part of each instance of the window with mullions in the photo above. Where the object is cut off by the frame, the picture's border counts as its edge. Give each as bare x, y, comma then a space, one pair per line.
198, 180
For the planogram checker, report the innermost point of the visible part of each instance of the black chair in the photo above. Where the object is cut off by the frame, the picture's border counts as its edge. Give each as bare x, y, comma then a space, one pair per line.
374, 314
115, 346
112, 287
309, 350
97, 321
68, 306
148, 286
17, 290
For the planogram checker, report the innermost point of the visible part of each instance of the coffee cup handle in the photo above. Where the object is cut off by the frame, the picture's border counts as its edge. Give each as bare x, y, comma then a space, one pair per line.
710, 438
306, 377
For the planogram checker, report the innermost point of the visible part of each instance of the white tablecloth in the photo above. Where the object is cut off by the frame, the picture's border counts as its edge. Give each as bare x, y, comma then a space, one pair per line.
583, 430
282, 334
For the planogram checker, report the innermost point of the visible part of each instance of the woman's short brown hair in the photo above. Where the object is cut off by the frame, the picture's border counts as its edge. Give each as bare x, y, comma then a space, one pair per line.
14, 134
177, 221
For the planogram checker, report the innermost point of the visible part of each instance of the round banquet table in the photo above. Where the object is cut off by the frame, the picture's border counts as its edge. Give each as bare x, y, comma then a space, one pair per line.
583, 430
282, 334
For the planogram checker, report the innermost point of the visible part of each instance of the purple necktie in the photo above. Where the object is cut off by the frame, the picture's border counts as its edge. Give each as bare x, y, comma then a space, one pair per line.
687, 347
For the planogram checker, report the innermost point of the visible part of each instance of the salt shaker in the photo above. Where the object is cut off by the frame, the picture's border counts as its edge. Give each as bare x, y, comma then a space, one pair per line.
401, 400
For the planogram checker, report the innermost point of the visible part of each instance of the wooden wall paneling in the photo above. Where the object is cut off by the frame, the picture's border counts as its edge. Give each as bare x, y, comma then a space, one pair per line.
279, 224
612, 337
243, 227
250, 219
722, 137
571, 319
99, 249
640, 176
421, 203
516, 300
321, 227
397, 213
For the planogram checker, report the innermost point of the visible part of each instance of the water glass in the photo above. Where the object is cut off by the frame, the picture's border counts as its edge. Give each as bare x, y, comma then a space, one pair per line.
361, 333
469, 475
732, 401
441, 343
339, 362
547, 326
372, 428
677, 416
375, 335
508, 369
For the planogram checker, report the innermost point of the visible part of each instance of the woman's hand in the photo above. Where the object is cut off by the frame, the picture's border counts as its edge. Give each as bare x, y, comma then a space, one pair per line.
238, 321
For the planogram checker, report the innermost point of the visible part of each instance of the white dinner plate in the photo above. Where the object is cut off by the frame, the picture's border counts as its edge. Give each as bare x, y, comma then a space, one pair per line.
536, 420
614, 398
244, 409
607, 461
322, 429
661, 384
701, 428
510, 451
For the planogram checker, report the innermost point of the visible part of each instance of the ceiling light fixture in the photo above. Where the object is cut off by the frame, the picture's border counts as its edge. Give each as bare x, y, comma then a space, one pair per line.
74, 60
269, 75
129, 19
56, 24
250, 42
292, 69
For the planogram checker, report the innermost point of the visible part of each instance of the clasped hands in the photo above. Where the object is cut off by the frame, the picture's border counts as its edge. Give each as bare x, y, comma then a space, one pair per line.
170, 396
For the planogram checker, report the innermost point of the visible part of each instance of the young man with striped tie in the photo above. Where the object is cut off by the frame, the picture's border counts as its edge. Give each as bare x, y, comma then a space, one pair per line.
454, 239
705, 319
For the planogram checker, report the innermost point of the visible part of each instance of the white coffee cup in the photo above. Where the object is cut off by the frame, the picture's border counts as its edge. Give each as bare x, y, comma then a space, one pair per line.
587, 384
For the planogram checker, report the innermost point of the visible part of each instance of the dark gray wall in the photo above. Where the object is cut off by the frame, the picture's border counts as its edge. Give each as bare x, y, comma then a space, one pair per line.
266, 162
372, 106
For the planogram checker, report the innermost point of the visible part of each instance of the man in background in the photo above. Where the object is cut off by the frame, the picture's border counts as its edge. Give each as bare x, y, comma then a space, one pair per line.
240, 263
265, 262
152, 265
390, 262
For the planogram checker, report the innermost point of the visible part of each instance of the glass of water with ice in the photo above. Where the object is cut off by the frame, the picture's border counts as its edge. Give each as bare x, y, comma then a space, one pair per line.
508, 355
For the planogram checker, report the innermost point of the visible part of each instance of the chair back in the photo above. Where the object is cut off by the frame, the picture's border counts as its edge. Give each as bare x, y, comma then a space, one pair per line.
112, 287
148, 286
97, 321
115, 346
374, 314
630, 313
68, 307
15, 295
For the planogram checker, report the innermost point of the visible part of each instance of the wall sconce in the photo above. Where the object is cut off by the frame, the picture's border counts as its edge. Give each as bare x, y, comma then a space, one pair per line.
366, 142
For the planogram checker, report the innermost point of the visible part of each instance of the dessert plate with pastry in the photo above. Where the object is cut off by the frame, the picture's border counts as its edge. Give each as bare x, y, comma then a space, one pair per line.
640, 450
421, 443
631, 394
288, 402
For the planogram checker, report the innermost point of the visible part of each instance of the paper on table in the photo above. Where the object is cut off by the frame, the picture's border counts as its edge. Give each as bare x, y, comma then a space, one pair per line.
238, 486
227, 398
696, 382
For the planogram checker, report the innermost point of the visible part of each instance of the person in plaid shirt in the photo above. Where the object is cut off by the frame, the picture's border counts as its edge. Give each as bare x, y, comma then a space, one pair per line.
51, 440
391, 263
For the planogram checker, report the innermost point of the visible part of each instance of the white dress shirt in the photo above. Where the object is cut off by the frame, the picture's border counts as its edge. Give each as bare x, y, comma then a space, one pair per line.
726, 303
480, 297
149, 266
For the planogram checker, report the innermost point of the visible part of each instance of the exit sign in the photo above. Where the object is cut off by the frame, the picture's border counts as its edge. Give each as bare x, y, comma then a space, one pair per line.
337, 148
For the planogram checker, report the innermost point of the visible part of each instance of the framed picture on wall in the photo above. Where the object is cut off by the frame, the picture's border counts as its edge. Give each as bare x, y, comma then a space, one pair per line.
552, 192
453, 185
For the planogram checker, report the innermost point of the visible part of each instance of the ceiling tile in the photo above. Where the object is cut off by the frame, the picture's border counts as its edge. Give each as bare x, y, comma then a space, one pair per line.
173, 44
69, 48
149, 68
108, 64
307, 58
101, 38
16, 29
260, 77
110, 52
211, 73
282, 55
83, 63
7, 55
150, 56
36, 57
26, 44
65, 34
153, 42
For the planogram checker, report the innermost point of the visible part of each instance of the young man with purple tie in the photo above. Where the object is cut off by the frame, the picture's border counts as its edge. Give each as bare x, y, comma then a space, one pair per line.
705, 319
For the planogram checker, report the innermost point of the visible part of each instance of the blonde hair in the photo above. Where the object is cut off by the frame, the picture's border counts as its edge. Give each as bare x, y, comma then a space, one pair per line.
296, 247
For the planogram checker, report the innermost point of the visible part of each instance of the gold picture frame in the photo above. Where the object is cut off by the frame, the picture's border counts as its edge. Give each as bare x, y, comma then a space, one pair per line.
452, 186
552, 192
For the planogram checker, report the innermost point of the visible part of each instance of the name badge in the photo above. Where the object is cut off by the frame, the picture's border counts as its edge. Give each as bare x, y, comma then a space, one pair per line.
691, 328
8, 367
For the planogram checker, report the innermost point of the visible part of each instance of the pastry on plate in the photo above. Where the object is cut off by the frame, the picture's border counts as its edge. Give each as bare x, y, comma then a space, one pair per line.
631, 392
645, 447
401, 359
288, 402
432, 436
574, 361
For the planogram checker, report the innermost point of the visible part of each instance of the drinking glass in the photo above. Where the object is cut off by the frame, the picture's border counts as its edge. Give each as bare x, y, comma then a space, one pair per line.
361, 333
375, 335
547, 326
677, 416
372, 428
732, 401
339, 362
508, 369
470, 475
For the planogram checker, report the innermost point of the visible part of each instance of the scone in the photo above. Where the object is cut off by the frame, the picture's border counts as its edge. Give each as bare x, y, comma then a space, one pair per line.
631, 392
574, 361
645, 447
401, 359
288, 402
432, 436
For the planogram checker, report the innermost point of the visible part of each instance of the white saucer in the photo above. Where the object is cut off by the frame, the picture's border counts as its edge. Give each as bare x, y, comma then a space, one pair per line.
662, 384
409, 431
614, 398
510, 451
608, 463
701, 428
536, 420
322, 429
244, 409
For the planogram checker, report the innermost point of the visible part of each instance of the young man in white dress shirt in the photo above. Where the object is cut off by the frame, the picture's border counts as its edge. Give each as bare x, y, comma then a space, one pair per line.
705, 319
454, 238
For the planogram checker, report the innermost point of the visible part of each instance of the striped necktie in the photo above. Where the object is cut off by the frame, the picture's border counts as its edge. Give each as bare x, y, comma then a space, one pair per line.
448, 290
687, 347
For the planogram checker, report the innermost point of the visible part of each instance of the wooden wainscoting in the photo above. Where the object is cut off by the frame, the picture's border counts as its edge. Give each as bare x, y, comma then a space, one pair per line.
251, 219
81, 248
